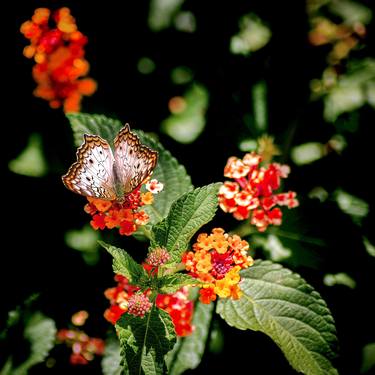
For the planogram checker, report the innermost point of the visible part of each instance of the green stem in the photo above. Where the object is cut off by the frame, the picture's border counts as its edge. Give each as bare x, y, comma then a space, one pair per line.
147, 233
245, 229
297, 237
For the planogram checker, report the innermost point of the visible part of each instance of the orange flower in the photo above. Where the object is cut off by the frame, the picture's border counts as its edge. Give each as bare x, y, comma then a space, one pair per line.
100, 204
127, 216
147, 198
216, 261
207, 294
59, 56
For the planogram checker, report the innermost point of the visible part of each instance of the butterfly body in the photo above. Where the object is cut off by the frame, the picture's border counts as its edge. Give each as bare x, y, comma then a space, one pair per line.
101, 173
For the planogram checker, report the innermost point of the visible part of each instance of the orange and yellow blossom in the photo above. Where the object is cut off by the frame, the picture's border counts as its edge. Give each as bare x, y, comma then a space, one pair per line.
216, 261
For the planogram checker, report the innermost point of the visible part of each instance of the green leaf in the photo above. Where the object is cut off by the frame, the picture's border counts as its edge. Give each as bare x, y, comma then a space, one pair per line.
170, 284
188, 351
282, 305
112, 358
40, 331
190, 212
145, 341
31, 161
101, 125
125, 265
172, 174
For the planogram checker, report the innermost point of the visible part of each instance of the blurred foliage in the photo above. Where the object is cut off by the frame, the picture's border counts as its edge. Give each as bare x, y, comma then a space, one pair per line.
84, 240
253, 35
187, 120
30, 162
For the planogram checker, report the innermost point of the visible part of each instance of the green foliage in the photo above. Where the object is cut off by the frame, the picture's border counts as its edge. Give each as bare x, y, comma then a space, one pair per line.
189, 213
170, 284
111, 358
284, 307
188, 351
172, 174
85, 241
85, 123
145, 341
30, 162
40, 331
352, 91
253, 35
125, 265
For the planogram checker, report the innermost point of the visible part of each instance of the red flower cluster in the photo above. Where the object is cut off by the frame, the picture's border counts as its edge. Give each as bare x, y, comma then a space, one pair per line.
177, 305
126, 216
252, 193
216, 260
180, 308
84, 348
119, 297
59, 56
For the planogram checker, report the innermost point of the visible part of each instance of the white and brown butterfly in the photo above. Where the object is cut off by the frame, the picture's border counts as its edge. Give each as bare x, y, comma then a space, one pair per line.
101, 173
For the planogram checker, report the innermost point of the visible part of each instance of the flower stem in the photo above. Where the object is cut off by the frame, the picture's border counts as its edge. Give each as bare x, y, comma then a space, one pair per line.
147, 233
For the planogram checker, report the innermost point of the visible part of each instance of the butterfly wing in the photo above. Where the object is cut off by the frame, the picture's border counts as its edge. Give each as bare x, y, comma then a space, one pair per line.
92, 174
134, 162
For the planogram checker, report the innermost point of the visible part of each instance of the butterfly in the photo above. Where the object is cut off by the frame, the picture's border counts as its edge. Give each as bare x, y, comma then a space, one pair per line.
101, 173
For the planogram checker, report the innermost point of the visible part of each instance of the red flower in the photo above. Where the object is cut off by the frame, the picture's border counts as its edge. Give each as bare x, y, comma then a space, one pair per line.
252, 194
124, 299
180, 308
84, 348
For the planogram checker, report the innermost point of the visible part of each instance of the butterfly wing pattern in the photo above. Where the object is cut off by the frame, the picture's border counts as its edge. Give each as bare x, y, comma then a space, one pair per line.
99, 173
92, 174
134, 162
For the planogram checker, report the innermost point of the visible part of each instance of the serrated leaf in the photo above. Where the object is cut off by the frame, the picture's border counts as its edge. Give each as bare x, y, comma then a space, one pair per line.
190, 212
145, 341
170, 284
111, 358
188, 351
125, 265
40, 331
282, 305
101, 125
172, 174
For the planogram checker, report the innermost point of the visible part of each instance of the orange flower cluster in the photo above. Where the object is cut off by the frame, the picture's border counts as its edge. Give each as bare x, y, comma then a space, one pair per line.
84, 348
343, 37
177, 305
126, 216
216, 260
252, 193
59, 56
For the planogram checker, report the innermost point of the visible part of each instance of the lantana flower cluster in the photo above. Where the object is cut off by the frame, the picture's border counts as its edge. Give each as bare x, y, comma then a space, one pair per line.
127, 298
216, 261
84, 348
252, 194
127, 215
59, 56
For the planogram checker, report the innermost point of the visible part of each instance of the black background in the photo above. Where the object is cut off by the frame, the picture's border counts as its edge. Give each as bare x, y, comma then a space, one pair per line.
39, 211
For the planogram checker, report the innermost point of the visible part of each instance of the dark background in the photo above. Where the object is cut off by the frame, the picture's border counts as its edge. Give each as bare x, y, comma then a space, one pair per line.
40, 210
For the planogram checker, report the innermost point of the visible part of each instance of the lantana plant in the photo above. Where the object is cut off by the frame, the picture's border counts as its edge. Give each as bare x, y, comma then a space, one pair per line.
163, 307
